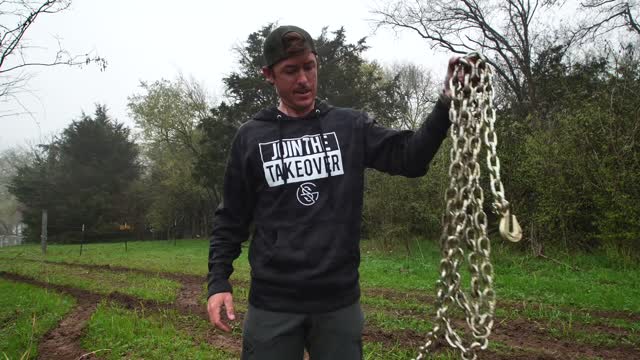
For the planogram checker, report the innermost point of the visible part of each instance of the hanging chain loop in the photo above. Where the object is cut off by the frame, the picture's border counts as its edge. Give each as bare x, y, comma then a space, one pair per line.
472, 117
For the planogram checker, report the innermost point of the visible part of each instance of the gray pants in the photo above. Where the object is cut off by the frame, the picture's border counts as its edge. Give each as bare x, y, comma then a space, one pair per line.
335, 335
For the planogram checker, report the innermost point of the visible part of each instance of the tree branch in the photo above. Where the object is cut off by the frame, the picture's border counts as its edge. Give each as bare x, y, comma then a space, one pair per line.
12, 42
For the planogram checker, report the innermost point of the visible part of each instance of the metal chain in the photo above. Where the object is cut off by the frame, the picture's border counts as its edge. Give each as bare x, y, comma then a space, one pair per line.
472, 118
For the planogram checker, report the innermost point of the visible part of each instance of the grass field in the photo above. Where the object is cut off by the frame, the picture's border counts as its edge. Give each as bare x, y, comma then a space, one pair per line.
26, 313
148, 302
134, 334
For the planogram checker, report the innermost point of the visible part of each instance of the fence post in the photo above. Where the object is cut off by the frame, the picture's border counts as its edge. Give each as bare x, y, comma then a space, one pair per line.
82, 240
43, 235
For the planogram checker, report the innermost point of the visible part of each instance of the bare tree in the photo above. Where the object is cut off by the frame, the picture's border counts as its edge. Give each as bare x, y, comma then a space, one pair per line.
16, 55
608, 15
504, 30
418, 91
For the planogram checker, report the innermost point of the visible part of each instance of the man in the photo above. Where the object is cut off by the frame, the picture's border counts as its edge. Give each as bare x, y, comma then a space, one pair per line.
296, 172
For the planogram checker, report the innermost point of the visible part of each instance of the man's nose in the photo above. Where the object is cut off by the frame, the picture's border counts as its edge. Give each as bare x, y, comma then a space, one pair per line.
302, 77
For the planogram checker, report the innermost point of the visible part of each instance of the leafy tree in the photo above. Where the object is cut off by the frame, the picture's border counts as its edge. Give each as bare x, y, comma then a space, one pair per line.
217, 134
80, 177
398, 209
168, 113
33, 186
346, 79
578, 175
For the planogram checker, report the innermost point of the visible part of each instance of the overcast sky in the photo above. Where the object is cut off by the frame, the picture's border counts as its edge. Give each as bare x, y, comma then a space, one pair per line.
150, 40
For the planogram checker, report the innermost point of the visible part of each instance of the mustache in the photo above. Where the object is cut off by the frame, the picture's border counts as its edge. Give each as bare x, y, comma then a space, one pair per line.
302, 89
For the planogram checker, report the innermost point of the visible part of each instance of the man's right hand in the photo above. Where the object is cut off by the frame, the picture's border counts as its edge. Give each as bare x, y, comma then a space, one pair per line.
214, 305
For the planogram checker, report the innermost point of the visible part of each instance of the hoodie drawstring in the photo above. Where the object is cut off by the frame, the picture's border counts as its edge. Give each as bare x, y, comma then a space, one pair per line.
285, 175
324, 148
326, 160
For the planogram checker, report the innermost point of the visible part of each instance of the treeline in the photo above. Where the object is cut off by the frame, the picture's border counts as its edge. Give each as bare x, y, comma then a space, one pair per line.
568, 127
165, 181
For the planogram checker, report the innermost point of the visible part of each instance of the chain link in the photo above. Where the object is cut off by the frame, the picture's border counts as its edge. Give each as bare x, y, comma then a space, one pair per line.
472, 116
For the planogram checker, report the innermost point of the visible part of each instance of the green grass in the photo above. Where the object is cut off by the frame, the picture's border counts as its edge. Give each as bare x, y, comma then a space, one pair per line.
399, 304
186, 257
595, 338
632, 326
26, 313
397, 289
393, 322
378, 351
599, 283
119, 333
100, 281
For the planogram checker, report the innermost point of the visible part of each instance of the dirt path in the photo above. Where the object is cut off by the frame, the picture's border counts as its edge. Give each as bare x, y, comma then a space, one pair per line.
63, 341
528, 339
424, 297
122, 269
190, 296
530, 336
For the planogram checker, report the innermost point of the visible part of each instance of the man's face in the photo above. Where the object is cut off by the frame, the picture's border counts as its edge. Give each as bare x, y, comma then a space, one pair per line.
296, 80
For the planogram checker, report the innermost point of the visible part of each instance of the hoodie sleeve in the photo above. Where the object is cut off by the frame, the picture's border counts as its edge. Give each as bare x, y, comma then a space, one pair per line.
406, 153
231, 220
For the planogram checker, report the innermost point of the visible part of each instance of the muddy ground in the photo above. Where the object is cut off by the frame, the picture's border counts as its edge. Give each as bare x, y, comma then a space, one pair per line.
524, 339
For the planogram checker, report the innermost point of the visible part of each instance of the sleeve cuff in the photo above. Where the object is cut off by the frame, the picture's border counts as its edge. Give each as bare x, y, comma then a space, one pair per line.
445, 99
219, 286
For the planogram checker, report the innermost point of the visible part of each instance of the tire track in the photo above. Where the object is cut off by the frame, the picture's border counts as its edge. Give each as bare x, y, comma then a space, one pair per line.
526, 339
63, 341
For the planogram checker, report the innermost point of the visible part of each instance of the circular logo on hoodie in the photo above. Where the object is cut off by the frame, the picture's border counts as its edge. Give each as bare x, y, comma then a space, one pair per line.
307, 194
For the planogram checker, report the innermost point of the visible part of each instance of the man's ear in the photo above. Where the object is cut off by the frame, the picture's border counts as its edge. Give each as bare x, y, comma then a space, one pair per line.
267, 72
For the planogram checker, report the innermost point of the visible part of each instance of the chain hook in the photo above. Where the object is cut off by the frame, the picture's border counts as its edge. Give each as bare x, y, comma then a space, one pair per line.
510, 228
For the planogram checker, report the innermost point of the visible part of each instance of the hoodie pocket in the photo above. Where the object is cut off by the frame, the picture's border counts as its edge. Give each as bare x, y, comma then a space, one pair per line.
294, 249
317, 255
